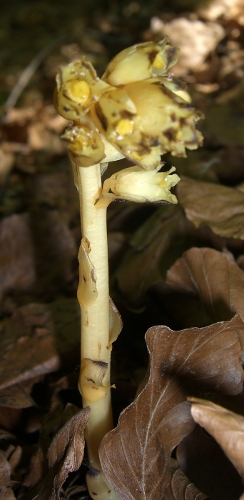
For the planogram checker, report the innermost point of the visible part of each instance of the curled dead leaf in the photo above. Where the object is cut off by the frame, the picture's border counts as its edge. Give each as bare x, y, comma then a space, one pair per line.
5, 483
65, 455
136, 456
198, 199
208, 287
226, 427
38, 339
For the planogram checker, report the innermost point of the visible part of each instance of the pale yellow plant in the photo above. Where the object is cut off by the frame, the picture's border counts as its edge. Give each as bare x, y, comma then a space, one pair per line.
136, 110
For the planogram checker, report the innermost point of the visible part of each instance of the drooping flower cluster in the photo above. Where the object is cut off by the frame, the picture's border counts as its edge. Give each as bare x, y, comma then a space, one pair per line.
135, 107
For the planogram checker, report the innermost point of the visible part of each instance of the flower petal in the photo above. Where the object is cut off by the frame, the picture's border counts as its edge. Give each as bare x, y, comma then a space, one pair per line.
145, 120
136, 184
140, 62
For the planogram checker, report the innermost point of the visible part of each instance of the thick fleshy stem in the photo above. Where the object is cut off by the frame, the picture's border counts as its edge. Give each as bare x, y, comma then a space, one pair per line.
93, 296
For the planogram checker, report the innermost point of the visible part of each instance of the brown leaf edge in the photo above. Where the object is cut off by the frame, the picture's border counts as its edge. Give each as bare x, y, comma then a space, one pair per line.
136, 455
6, 492
205, 286
65, 455
225, 426
198, 199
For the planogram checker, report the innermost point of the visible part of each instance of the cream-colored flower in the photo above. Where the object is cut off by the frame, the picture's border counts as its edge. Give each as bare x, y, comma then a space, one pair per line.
137, 107
85, 145
145, 120
77, 87
140, 62
136, 184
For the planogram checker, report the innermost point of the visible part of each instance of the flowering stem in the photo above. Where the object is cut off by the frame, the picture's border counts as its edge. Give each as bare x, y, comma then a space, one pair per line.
93, 296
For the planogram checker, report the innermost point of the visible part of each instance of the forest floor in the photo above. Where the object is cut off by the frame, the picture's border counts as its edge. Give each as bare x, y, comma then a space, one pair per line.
151, 247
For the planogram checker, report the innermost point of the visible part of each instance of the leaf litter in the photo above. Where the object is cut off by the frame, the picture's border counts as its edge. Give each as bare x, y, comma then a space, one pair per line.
180, 267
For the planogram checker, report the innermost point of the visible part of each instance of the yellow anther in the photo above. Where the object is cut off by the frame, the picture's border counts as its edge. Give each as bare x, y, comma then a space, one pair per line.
78, 90
163, 184
81, 142
159, 62
124, 127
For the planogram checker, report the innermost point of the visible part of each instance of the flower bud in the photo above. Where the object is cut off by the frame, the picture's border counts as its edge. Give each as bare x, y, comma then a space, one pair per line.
140, 62
85, 145
136, 184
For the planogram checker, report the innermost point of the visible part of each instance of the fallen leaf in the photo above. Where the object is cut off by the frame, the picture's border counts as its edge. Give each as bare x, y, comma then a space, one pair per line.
52, 422
226, 427
186, 33
18, 395
39, 339
57, 191
227, 9
17, 463
224, 123
202, 460
198, 165
6, 164
41, 137
227, 164
208, 287
136, 455
17, 266
198, 199
29, 242
182, 488
64, 456
153, 250
6, 491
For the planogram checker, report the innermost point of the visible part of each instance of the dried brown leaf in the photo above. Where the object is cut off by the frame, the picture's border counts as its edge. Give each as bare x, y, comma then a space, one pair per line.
136, 456
38, 339
223, 125
153, 250
217, 477
57, 191
51, 424
226, 427
181, 488
186, 33
29, 242
199, 165
216, 206
41, 133
209, 287
17, 395
65, 455
227, 9
6, 163
17, 265
6, 492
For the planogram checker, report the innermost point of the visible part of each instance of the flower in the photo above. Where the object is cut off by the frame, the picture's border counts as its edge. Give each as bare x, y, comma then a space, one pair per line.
85, 145
136, 184
136, 106
145, 120
77, 87
140, 62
